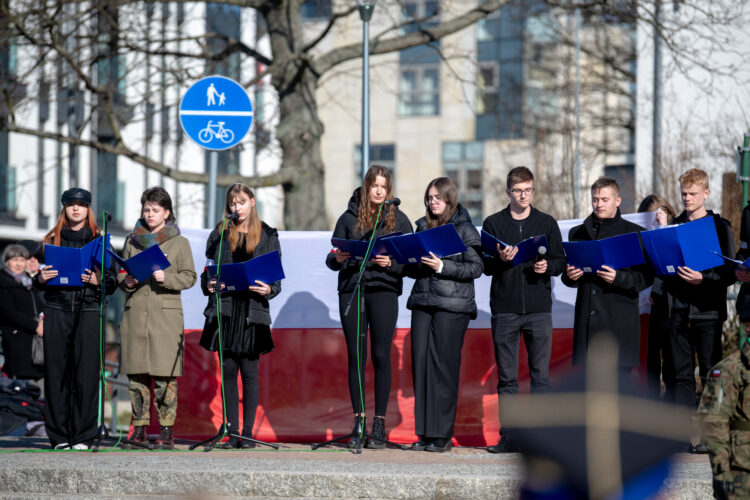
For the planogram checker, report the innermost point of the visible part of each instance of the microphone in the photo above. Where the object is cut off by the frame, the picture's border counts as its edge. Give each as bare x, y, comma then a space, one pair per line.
394, 201
233, 216
541, 254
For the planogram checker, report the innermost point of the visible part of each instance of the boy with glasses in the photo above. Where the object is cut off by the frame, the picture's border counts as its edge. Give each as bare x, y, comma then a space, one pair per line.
520, 295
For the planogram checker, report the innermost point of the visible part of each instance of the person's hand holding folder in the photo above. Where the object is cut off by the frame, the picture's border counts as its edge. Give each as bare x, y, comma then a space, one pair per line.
90, 277
46, 274
262, 289
607, 274
130, 281
341, 256
573, 272
690, 276
433, 262
382, 260
211, 285
508, 253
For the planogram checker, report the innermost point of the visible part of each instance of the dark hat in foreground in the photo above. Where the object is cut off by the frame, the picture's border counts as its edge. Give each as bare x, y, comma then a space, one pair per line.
76, 194
595, 437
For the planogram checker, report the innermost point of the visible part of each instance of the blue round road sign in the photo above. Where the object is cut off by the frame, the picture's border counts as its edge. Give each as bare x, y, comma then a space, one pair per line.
216, 112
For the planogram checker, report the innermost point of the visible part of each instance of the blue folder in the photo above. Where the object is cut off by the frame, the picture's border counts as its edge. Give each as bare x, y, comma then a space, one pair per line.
528, 249
239, 276
617, 252
358, 247
742, 265
70, 263
443, 241
693, 244
142, 265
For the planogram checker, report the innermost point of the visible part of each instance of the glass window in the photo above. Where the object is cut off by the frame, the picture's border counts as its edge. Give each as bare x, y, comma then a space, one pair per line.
462, 162
380, 154
315, 9
419, 91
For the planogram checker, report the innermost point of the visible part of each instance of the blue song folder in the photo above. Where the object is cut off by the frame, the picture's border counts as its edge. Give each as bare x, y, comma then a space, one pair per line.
239, 276
443, 241
528, 249
71, 262
142, 265
358, 247
693, 244
617, 252
742, 265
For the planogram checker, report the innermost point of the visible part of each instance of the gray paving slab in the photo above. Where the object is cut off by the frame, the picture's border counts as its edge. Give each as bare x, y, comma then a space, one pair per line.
292, 472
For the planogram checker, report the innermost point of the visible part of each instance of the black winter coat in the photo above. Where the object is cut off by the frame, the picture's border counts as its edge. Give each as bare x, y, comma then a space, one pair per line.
376, 277
608, 308
518, 289
453, 289
708, 300
71, 298
257, 305
19, 314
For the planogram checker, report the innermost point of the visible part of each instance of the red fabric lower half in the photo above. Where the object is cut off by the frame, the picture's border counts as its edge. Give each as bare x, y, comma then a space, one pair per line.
304, 395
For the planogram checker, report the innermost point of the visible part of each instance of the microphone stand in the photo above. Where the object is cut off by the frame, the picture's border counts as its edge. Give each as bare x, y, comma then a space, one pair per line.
362, 338
102, 433
225, 429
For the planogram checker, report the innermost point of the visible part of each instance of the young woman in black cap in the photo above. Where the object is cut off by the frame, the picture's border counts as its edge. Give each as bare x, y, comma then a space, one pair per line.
71, 331
381, 286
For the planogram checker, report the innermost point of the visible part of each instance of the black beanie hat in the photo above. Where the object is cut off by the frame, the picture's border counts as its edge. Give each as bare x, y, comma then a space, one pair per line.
76, 194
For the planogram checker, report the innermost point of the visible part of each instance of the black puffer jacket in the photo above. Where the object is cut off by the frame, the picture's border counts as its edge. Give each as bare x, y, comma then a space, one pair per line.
76, 298
257, 305
376, 277
453, 289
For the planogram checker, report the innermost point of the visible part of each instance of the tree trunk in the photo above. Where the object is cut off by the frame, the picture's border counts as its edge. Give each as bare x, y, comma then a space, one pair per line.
300, 129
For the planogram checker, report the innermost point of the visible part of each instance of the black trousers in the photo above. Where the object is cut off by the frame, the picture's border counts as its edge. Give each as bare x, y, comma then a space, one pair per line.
71, 375
688, 337
247, 366
436, 341
380, 314
659, 366
536, 330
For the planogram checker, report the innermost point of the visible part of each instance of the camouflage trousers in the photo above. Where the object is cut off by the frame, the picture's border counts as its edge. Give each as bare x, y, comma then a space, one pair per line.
165, 398
741, 485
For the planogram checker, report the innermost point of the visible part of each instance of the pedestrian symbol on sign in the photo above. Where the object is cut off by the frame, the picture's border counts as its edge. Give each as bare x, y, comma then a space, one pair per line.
216, 112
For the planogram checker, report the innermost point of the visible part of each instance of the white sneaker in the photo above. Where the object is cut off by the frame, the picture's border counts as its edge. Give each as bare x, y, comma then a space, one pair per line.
79, 446
62, 446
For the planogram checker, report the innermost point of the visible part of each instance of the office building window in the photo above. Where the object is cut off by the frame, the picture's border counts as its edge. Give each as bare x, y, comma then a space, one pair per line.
487, 87
380, 154
419, 90
625, 177
315, 9
462, 162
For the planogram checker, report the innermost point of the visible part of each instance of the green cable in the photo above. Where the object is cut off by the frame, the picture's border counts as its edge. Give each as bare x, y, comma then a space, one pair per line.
217, 290
359, 367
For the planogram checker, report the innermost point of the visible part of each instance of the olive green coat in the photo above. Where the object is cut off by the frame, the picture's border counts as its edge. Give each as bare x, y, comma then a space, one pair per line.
152, 328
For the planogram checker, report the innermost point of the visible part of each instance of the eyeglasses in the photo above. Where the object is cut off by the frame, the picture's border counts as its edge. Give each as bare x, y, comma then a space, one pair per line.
519, 192
434, 198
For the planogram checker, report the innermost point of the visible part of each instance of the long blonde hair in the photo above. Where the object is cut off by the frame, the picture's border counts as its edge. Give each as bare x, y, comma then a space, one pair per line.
367, 211
254, 226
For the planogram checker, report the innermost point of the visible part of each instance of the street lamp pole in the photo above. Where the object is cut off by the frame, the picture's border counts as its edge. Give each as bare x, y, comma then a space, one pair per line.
365, 8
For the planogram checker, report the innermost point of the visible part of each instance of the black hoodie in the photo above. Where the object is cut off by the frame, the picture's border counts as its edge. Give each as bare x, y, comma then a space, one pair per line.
376, 277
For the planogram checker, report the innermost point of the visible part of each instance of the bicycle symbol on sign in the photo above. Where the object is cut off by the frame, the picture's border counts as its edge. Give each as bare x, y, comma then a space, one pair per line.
218, 131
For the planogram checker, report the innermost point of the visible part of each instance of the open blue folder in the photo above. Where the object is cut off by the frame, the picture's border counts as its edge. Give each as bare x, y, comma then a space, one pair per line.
617, 252
443, 241
142, 265
742, 265
70, 263
528, 249
239, 276
693, 244
358, 247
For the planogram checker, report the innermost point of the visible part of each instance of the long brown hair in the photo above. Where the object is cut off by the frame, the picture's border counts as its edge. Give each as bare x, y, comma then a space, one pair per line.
254, 226
367, 211
448, 191
653, 202
53, 237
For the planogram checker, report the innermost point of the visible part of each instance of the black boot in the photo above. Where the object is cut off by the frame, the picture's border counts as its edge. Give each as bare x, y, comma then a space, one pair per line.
230, 444
439, 445
360, 423
377, 437
420, 445
166, 438
138, 437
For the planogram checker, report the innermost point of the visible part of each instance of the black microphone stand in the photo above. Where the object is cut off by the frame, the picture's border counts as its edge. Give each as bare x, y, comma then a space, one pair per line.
362, 334
102, 434
225, 429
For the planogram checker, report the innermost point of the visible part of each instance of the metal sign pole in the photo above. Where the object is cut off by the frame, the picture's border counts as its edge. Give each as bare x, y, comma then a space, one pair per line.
213, 168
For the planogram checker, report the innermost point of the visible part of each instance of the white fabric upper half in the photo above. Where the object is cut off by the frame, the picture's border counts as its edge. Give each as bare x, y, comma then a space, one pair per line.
309, 298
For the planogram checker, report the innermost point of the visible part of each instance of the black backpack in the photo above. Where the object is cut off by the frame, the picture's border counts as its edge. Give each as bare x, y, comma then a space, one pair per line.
19, 403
